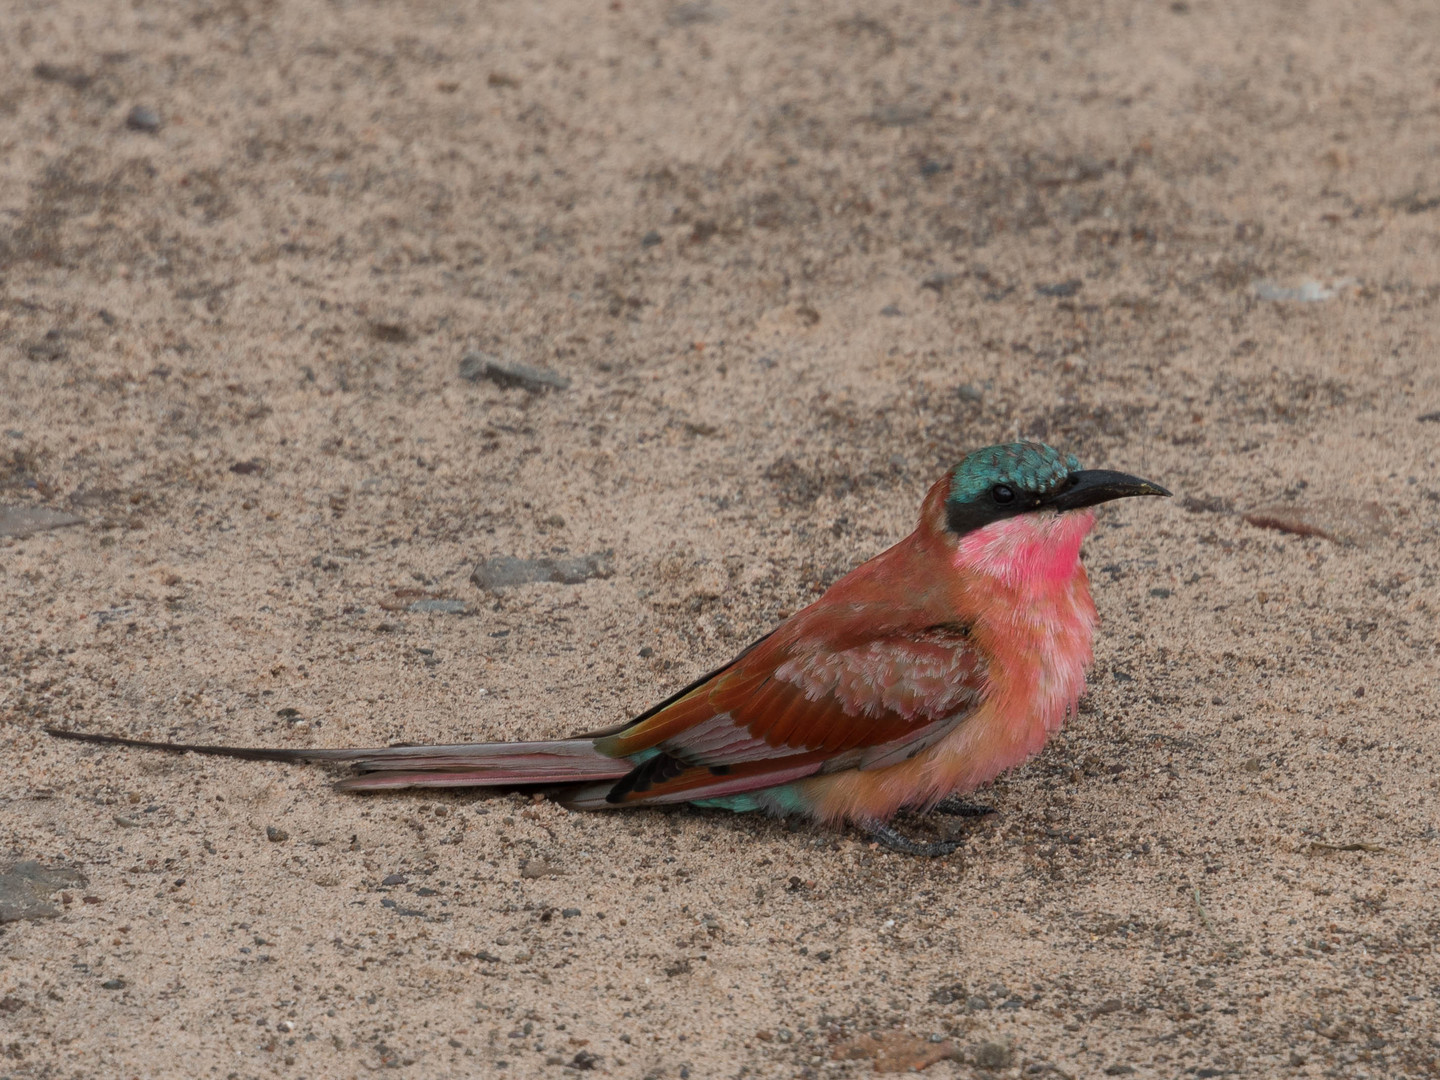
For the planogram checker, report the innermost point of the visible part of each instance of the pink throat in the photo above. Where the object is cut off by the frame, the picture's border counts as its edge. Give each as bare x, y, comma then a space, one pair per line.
1029, 549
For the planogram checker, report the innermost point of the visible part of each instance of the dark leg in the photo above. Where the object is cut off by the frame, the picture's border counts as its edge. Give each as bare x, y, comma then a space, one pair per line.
905, 846
958, 807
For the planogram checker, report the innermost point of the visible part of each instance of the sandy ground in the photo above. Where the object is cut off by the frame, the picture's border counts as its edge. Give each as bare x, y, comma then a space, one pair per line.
794, 260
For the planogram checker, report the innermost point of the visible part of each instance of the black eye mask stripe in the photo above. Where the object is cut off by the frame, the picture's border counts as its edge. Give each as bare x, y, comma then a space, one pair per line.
1083, 488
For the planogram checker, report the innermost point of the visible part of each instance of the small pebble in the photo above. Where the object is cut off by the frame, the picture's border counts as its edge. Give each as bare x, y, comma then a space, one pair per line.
691, 14
396, 333
507, 571
394, 879
1060, 288
439, 607
992, 1055
48, 349
143, 118
475, 366
651, 238
69, 76
1307, 292
22, 521
901, 115
113, 984
275, 834
25, 889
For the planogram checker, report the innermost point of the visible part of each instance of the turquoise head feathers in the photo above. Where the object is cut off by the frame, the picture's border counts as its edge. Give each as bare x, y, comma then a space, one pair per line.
1002, 481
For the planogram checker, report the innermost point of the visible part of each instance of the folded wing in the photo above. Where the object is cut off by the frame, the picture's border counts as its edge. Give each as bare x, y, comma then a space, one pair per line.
796, 706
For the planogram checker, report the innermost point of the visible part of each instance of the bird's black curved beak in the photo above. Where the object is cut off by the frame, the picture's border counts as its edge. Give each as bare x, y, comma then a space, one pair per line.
1089, 487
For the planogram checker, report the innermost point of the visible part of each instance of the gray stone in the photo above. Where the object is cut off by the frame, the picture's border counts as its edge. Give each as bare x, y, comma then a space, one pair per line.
25, 889
1306, 292
143, 118
48, 349
70, 76
693, 14
507, 571
1060, 288
938, 280
25, 520
993, 1055
439, 607
899, 115
478, 365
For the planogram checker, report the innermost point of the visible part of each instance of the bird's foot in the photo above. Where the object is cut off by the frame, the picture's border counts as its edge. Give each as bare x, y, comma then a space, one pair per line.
884, 834
957, 807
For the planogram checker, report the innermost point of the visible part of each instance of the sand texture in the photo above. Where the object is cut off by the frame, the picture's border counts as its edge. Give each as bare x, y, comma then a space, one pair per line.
440, 371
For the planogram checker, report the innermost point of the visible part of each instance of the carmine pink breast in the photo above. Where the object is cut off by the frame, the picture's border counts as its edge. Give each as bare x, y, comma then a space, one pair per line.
1027, 600
1035, 619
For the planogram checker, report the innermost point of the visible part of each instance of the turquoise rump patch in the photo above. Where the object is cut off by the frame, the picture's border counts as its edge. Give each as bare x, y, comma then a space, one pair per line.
779, 801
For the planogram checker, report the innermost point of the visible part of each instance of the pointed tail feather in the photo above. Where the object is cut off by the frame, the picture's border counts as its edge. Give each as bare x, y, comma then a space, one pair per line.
246, 753
562, 761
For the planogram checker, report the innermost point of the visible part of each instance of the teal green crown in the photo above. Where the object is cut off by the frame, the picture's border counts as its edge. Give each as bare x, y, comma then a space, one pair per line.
1029, 467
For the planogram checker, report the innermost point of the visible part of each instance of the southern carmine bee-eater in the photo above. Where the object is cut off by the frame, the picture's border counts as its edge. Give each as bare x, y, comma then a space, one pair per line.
917, 677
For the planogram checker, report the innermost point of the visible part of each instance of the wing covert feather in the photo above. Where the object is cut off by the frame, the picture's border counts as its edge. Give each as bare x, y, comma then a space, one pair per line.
791, 704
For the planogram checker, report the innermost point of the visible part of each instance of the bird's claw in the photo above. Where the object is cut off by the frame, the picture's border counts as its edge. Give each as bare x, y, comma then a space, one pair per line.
957, 807
905, 846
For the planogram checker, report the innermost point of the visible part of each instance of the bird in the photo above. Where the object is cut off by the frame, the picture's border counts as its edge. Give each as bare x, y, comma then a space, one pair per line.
912, 681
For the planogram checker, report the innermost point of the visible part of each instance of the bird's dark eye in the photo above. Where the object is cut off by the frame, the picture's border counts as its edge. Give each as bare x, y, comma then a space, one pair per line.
1002, 494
